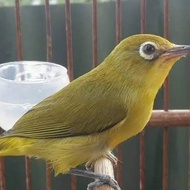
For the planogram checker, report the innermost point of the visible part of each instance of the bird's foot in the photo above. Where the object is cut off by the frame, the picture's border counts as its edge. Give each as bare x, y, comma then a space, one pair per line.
100, 179
89, 165
103, 180
112, 158
109, 155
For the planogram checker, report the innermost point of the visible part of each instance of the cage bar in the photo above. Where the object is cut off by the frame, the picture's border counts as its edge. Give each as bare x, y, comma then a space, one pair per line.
142, 161
188, 174
48, 177
165, 158
94, 33
118, 21
69, 61
69, 39
18, 30
118, 33
143, 16
49, 59
189, 163
166, 106
28, 173
48, 31
171, 118
142, 134
20, 57
2, 173
27, 167
166, 35
2, 169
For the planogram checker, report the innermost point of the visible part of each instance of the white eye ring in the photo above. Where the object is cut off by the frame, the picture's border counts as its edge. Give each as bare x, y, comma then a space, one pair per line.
149, 55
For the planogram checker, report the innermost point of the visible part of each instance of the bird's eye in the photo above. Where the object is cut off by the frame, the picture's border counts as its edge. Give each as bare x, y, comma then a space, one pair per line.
148, 50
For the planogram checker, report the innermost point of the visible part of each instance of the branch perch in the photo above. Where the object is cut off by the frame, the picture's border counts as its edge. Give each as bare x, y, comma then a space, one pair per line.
104, 166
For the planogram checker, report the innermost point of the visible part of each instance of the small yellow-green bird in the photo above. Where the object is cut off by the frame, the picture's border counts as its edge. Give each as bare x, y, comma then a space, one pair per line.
88, 118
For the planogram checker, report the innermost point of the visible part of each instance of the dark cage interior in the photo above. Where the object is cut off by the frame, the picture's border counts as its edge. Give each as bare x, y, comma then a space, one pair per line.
81, 35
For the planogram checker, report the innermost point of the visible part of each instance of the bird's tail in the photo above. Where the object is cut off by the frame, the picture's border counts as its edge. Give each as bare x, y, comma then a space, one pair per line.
13, 146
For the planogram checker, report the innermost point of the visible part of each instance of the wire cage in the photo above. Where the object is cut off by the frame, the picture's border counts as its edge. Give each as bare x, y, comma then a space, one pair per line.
79, 36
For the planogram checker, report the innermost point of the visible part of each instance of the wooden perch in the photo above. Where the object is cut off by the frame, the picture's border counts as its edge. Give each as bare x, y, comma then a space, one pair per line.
104, 166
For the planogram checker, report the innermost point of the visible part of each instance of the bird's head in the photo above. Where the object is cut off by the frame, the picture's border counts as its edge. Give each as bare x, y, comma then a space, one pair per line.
153, 49
146, 59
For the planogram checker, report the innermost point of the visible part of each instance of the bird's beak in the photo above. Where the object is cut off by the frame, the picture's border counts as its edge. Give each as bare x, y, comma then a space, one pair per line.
177, 51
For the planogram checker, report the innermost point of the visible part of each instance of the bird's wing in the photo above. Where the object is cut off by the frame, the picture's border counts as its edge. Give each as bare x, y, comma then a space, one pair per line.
71, 113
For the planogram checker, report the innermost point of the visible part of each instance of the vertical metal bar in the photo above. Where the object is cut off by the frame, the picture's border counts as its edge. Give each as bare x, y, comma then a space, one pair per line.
189, 135
28, 173
69, 39
2, 169
166, 35
165, 159
143, 16
118, 39
49, 58
166, 106
20, 57
48, 31
189, 163
142, 160
69, 61
2, 174
142, 134
48, 177
94, 33
18, 30
118, 21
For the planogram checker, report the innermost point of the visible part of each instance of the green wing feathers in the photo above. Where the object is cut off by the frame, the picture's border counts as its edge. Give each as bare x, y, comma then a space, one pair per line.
75, 110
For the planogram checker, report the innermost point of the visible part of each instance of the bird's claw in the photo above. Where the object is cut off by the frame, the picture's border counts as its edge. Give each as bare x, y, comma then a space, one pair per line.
103, 180
112, 158
90, 164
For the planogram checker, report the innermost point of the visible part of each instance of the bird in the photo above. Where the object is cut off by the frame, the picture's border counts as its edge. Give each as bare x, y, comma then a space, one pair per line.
89, 117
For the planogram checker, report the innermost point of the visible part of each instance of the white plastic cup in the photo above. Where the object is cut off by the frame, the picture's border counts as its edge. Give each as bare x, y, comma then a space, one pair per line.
24, 84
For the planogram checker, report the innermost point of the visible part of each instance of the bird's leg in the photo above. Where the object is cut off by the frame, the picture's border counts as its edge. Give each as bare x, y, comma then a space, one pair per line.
100, 179
112, 158
109, 155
